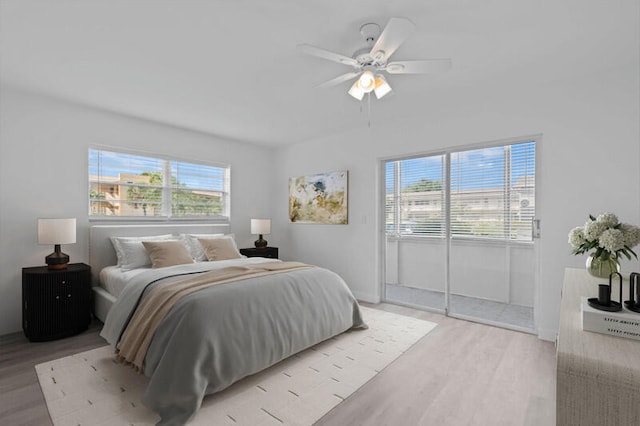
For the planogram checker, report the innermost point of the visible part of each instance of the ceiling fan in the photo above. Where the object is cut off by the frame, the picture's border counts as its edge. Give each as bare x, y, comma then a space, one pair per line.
372, 61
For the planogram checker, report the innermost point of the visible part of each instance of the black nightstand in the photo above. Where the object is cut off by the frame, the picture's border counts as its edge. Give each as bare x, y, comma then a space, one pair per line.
268, 252
55, 303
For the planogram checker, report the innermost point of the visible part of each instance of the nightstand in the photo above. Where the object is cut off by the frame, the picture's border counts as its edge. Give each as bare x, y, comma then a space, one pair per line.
55, 303
268, 252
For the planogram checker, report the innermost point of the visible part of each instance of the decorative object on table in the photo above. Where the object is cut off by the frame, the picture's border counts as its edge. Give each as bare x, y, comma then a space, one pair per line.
609, 239
633, 304
620, 323
260, 227
603, 302
57, 232
319, 198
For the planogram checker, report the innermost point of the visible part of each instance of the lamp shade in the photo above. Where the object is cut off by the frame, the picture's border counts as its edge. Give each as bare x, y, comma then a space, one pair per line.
381, 87
367, 81
356, 91
56, 231
261, 226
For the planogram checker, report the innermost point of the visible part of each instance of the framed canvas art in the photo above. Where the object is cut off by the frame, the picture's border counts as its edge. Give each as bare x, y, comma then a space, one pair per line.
319, 198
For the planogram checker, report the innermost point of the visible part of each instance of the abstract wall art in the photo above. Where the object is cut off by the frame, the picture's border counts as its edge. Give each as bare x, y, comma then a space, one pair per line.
319, 198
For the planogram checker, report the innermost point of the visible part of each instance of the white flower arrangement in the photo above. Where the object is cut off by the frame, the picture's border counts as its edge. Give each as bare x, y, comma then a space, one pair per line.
607, 236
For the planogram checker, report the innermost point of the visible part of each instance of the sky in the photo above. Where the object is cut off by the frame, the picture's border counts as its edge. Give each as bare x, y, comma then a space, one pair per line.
192, 175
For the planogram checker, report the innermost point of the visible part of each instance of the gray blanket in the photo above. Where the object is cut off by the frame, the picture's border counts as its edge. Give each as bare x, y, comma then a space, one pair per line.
217, 336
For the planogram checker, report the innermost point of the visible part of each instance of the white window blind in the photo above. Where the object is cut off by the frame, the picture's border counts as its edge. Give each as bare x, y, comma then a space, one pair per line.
198, 190
415, 196
492, 193
133, 186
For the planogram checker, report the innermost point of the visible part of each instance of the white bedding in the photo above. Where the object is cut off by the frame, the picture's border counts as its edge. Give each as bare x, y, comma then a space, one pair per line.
216, 336
114, 279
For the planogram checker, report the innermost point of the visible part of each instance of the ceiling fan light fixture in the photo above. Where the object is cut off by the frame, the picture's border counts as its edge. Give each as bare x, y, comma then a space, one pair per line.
381, 86
368, 61
367, 81
356, 91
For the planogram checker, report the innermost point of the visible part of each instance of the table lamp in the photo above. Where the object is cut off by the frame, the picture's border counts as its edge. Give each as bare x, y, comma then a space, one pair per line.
260, 227
57, 232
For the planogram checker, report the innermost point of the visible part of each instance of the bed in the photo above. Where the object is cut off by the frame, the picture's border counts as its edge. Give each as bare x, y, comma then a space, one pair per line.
196, 328
102, 254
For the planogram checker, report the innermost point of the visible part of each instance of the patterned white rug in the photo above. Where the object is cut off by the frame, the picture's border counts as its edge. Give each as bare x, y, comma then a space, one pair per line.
90, 388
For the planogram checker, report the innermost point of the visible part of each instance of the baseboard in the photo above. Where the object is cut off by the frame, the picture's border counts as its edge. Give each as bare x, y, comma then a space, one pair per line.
547, 334
366, 297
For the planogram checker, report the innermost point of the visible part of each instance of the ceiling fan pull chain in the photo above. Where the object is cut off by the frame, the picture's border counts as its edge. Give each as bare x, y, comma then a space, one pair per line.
369, 108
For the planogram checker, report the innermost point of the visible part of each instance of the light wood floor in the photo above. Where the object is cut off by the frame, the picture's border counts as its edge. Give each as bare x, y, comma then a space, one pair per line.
461, 373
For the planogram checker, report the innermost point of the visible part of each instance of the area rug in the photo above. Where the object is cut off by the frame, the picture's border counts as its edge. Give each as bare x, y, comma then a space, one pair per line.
90, 388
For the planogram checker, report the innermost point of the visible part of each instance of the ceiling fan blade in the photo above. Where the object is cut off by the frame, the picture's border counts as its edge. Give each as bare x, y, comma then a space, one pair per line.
393, 35
427, 66
326, 54
339, 79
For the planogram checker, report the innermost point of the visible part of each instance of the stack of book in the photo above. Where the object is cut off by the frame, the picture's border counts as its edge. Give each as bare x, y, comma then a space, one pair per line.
623, 323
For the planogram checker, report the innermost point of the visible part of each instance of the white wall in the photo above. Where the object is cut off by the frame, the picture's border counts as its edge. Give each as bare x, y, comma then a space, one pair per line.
43, 173
588, 113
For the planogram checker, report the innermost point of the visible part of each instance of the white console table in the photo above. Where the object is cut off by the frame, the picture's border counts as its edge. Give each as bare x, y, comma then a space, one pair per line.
598, 376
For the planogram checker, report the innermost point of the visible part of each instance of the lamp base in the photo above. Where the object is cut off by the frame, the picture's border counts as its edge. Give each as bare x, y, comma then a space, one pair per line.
57, 259
58, 267
260, 243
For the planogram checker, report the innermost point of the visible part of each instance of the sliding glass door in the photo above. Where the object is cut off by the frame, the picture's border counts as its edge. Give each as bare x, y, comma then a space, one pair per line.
415, 229
459, 233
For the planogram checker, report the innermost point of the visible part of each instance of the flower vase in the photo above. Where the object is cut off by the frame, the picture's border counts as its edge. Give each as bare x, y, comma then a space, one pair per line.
602, 268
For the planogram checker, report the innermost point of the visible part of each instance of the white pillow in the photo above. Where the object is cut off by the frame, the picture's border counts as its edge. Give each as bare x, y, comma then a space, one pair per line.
195, 248
136, 252
134, 255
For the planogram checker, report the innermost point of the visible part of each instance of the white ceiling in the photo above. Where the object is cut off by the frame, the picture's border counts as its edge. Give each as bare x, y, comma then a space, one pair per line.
230, 67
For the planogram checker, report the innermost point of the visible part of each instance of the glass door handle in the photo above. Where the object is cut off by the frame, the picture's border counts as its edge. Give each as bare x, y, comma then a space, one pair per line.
535, 228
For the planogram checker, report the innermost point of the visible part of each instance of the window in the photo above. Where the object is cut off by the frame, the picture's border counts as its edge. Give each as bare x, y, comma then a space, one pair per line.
503, 178
413, 194
136, 186
492, 193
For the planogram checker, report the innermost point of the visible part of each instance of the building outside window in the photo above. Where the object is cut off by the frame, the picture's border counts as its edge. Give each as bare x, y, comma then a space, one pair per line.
133, 186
